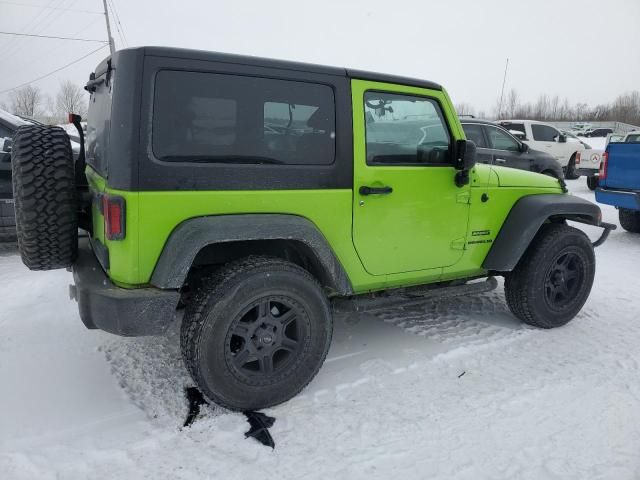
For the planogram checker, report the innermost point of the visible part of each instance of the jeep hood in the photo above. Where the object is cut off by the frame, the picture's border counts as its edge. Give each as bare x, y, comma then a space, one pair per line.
511, 177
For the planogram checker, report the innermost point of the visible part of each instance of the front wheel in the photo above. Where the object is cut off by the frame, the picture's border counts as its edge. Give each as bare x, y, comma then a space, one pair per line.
256, 333
592, 182
629, 220
553, 279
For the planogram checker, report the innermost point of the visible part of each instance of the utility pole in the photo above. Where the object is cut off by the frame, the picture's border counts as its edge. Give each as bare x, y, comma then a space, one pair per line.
504, 79
112, 46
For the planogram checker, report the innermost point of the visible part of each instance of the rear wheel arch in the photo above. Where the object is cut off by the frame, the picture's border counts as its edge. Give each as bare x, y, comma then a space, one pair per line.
525, 220
207, 242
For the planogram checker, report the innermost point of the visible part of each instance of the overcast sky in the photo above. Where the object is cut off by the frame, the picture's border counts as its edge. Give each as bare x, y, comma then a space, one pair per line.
585, 50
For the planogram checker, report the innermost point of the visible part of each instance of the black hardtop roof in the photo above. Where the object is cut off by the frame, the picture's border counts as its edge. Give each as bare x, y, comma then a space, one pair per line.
281, 64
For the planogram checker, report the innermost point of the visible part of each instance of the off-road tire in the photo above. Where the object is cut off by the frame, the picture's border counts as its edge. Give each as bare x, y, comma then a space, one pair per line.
7, 222
629, 220
592, 182
570, 173
211, 318
526, 286
45, 197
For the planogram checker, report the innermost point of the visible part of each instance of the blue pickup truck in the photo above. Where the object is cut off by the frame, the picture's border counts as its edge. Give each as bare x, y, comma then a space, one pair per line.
619, 180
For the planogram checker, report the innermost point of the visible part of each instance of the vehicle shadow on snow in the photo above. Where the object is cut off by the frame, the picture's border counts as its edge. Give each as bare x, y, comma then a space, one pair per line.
151, 372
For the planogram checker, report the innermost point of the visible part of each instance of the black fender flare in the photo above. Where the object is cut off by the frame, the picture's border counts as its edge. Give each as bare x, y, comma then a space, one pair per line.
192, 235
525, 219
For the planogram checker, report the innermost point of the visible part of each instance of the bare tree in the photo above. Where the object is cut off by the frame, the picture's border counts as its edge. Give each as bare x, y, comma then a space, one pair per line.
625, 108
27, 101
70, 99
512, 103
464, 108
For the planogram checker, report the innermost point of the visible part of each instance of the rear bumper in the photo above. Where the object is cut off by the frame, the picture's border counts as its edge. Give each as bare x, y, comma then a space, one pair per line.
587, 172
618, 198
122, 311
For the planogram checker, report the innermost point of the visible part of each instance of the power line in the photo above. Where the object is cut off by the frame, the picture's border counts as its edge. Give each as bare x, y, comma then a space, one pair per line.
50, 8
46, 53
28, 26
41, 26
55, 71
51, 36
118, 23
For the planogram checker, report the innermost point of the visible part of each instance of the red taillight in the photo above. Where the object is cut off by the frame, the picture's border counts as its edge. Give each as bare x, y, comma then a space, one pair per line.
577, 158
603, 166
114, 217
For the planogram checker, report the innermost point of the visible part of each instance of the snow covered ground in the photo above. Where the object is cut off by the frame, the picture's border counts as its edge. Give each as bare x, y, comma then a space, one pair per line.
454, 389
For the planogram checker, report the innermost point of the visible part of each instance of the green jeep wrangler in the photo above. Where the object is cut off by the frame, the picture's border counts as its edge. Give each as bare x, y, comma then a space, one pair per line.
255, 197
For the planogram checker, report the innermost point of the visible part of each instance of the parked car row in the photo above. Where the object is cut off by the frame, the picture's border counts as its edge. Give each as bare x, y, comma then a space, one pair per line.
495, 145
544, 137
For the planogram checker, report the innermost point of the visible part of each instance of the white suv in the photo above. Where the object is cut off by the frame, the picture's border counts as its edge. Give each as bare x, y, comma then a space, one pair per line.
544, 137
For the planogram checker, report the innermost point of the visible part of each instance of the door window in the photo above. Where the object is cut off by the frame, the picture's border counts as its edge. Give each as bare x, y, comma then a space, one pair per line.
501, 140
473, 132
544, 133
405, 130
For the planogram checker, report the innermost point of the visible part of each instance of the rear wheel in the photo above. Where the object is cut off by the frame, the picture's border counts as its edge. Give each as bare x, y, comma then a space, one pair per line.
630, 220
553, 279
571, 169
45, 197
256, 333
592, 182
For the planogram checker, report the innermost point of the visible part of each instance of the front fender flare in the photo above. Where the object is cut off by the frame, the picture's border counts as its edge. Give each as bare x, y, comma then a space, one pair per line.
525, 219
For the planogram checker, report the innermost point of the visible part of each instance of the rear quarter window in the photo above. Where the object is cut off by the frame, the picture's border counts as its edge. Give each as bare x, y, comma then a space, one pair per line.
223, 118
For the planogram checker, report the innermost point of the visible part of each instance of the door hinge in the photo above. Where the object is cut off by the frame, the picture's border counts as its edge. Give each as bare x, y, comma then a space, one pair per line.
458, 244
464, 197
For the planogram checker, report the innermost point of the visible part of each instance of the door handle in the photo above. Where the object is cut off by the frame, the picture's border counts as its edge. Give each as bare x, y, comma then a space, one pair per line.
365, 190
500, 160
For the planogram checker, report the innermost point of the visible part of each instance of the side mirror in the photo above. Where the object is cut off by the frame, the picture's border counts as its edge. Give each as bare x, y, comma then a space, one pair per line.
562, 138
465, 154
523, 148
6, 145
465, 161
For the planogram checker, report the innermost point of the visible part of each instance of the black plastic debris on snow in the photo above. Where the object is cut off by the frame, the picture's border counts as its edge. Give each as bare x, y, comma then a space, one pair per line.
259, 422
196, 400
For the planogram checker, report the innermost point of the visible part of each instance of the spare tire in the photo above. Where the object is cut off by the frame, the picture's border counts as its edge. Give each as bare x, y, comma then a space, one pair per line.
45, 197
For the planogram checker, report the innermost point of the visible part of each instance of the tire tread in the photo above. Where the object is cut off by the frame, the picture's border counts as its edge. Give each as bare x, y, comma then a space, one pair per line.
45, 197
